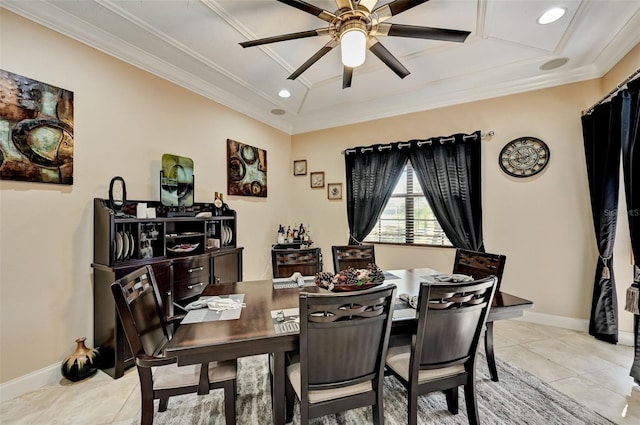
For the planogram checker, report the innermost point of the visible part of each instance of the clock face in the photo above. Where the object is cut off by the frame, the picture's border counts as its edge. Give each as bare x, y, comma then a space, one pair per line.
524, 157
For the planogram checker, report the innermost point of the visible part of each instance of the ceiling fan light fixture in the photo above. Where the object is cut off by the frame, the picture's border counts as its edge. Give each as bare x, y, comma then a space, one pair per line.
353, 44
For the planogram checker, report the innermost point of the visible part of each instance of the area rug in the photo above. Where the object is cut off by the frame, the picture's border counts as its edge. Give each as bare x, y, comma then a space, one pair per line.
519, 398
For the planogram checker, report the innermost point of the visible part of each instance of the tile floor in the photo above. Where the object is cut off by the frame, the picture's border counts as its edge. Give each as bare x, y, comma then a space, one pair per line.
590, 371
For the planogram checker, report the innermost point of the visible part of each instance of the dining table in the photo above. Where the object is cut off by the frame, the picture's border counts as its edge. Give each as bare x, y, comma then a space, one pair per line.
258, 327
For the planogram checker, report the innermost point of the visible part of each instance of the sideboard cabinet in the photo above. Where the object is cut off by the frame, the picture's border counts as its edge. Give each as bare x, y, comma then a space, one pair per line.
187, 252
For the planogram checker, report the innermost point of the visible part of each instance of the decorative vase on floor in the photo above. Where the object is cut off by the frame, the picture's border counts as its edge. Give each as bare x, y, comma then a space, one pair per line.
81, 363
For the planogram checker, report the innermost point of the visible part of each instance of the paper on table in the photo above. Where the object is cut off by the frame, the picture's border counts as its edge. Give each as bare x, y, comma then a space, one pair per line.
208, 315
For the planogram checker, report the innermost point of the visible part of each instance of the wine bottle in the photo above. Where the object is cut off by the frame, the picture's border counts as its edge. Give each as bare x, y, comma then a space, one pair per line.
225, 207
217, 205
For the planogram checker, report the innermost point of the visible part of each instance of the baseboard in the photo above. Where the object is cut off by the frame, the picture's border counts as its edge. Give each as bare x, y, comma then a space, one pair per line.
582, 325
30, 382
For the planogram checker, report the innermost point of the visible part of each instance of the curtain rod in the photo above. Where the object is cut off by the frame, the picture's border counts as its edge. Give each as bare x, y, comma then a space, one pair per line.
612, 92
483, 136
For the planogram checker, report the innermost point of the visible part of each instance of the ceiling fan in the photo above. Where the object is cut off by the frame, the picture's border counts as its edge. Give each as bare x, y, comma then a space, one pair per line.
354, 26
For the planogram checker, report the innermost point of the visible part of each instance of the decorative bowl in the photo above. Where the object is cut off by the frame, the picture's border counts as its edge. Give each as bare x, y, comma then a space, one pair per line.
351, 279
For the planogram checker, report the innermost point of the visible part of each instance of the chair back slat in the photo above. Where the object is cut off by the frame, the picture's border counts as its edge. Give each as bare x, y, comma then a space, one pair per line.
343, 337
137, 301
450, 321
479, 264
352, 256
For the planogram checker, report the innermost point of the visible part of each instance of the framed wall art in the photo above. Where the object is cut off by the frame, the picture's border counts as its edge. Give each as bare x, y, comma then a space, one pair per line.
300, 167
246, 170
317, 179
176, 181
334, 191
37, 144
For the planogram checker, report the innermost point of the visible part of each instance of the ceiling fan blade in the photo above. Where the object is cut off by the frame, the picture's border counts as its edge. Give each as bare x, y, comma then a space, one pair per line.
368, 4
412, 31
313, 59
396, 7
347, 75
309, 8
385, 56
285, 37
344, 4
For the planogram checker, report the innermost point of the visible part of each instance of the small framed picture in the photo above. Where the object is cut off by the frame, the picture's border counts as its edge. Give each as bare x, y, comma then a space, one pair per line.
317, 179
334, 191
300, 167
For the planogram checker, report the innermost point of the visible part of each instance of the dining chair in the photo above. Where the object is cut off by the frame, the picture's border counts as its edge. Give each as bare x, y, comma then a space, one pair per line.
480, 265
340, 363
306, 261
355, 256
442, 353
140, 309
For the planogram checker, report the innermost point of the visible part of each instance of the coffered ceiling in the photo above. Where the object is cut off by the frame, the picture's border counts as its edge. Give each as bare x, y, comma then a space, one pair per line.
194, 43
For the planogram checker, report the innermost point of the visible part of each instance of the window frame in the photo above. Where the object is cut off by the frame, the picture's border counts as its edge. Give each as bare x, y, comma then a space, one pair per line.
410, 196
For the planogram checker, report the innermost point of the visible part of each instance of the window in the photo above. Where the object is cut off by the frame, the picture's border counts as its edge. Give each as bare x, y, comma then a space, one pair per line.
407, 218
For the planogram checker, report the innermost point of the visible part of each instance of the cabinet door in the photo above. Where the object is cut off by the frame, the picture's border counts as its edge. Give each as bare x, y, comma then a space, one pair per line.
190, 276
227, 267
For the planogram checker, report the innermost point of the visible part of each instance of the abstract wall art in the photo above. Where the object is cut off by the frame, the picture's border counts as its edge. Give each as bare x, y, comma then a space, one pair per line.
36, 131
246, 170
176, 181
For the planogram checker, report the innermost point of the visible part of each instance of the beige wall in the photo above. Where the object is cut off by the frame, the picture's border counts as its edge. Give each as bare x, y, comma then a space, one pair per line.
125, 119
543, 224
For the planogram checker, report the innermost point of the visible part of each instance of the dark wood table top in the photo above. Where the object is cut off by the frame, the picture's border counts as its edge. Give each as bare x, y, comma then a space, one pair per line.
256, 326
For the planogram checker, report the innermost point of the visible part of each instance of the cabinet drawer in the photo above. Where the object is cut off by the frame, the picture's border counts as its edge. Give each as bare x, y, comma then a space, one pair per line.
190, 277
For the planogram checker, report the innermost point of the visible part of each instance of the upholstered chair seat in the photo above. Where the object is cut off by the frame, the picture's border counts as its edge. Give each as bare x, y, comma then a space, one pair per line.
398, 360
171, 376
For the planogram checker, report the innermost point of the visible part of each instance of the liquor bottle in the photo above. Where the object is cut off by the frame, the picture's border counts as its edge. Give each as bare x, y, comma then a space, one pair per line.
217, 205
224, 208
301, 232
289, 234
281, 234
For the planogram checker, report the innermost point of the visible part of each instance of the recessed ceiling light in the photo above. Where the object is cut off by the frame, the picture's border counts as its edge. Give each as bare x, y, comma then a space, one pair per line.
551, 15
553, 64
278, 111
284, 93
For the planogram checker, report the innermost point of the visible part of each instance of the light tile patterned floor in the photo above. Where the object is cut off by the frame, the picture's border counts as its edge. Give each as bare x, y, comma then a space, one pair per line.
592, 372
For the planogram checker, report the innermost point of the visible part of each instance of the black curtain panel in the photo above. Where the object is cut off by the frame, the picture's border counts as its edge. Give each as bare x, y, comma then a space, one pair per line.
631, 171
601, 132
448, 170
372, 174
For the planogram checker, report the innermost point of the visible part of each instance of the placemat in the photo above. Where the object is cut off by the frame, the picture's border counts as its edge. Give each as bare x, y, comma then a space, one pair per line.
206, 315
402, 310
286, 282
286, 320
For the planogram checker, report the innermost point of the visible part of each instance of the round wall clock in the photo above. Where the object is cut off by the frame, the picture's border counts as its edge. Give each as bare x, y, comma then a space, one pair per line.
524, 157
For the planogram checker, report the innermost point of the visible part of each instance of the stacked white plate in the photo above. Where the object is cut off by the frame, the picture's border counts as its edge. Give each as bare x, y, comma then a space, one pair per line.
119, 245
227, 235
124, 246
